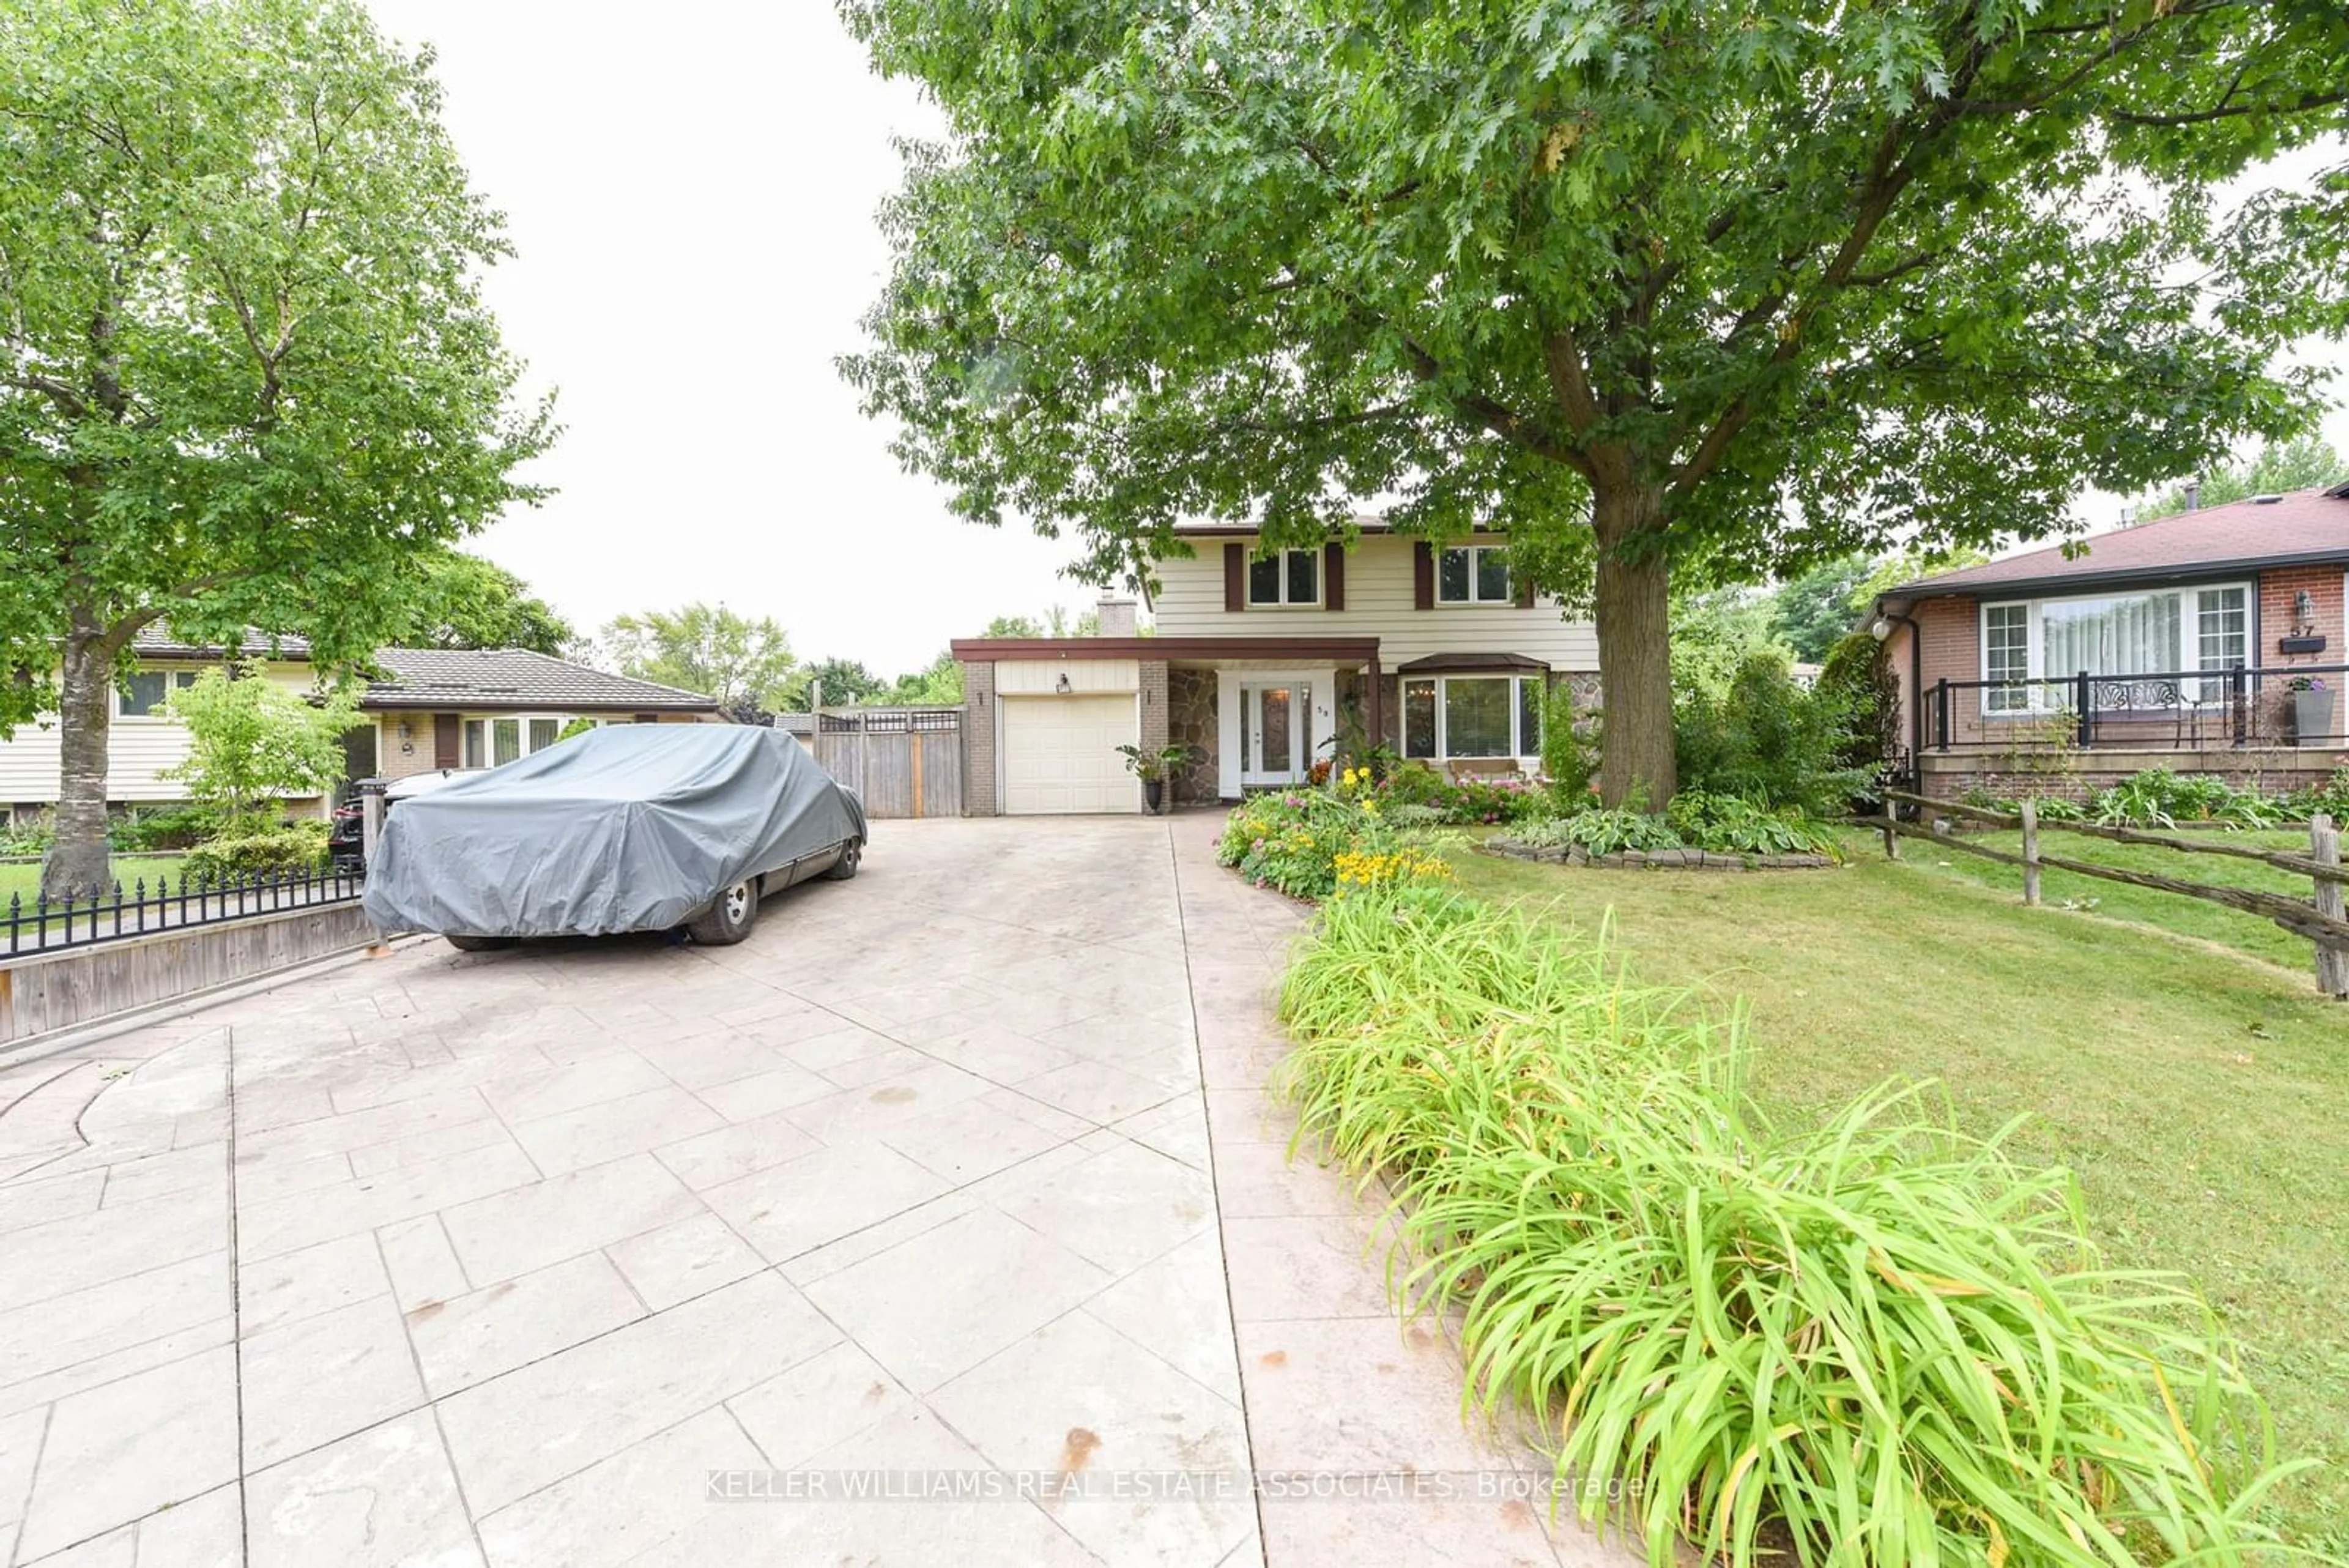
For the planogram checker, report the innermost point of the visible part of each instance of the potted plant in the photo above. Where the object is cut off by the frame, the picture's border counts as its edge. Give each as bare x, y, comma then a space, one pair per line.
1153, 768
2311, 711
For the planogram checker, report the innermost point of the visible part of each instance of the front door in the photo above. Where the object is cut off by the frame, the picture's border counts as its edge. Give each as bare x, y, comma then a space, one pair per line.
1275, 733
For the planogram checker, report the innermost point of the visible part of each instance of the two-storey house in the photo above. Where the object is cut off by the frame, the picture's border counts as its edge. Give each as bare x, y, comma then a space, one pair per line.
1262, 664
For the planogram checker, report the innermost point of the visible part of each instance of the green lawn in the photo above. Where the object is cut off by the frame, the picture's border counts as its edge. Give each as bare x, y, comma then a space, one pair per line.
2187, 917
2199, 1093
25, 879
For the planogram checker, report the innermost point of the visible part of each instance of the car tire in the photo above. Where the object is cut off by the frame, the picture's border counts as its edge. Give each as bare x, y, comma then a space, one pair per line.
465, 944
729, 919
845, 866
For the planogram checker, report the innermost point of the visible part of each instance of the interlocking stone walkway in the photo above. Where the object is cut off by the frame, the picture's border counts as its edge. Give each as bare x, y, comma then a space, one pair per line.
954, 1183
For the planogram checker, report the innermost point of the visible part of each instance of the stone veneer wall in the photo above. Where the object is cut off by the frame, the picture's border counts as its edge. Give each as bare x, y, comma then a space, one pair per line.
1190, 710
979, 741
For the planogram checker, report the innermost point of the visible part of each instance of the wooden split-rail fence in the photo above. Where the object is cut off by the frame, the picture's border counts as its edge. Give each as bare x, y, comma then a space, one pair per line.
2321, 918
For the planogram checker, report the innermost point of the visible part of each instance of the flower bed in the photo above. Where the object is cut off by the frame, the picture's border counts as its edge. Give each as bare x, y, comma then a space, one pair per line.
1682, 859
1322, 842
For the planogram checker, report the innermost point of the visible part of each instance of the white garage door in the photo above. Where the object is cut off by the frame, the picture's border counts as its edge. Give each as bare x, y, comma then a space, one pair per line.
1060, 754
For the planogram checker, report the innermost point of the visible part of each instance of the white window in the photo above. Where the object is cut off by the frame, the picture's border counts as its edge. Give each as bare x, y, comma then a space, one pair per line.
1288, 577
1447, 716
493, 743
142, 696
2038, 644
1473, 575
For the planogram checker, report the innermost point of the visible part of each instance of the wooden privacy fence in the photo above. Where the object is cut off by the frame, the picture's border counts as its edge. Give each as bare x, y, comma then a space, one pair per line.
901, 762
2322, 920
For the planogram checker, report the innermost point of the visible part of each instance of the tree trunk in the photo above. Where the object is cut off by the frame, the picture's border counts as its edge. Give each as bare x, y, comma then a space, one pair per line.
1635, 662
77, 865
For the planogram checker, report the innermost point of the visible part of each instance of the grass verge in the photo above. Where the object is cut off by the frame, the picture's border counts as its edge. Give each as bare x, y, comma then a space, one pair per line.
2195, 1093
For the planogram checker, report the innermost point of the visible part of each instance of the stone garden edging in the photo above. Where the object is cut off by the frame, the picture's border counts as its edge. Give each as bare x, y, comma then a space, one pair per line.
1653, 859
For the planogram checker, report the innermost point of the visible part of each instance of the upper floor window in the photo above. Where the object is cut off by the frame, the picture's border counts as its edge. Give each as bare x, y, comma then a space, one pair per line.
143, 695
1473, 575
1289, 578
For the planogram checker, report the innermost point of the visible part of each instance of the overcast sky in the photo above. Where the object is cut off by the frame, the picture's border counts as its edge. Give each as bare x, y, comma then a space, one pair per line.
692, 194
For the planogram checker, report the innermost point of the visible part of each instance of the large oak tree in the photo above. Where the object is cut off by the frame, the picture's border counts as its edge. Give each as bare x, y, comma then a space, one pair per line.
245, 372
1724, 286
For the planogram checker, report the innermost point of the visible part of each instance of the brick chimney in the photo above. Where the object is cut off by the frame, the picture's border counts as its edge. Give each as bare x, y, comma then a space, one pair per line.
1117, 614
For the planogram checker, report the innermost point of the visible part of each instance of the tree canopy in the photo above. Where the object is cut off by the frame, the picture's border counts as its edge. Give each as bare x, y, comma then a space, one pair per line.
464, 601
247, 371
1725, 286
252, 740
745, 663
2280, 468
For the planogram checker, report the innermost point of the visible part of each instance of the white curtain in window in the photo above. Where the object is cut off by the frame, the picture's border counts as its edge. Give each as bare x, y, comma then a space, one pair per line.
2137, 635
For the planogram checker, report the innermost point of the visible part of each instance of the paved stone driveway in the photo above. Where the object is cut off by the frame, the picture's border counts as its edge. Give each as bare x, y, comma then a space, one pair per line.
628, 1253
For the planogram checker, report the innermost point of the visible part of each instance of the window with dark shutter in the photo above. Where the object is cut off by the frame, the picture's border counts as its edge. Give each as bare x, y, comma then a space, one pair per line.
1423, 575
1333, 576
1234, 577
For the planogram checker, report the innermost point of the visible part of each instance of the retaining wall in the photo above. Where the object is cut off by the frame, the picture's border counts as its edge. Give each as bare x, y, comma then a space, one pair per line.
42, 993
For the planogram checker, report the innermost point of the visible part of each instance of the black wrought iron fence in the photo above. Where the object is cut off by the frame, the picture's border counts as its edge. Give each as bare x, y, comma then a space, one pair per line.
2288, 705
40, 924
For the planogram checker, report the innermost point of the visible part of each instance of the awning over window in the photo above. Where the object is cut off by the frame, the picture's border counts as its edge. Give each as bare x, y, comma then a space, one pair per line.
1455, 663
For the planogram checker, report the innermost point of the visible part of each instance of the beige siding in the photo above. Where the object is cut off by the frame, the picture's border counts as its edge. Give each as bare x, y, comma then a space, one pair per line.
1190, 603
1034, 677
139, 750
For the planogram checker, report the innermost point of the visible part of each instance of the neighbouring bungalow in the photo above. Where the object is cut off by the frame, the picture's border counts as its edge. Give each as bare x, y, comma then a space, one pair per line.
2208, 642
432, 708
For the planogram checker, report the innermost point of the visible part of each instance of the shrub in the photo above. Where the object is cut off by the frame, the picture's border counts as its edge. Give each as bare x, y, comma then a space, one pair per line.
2159, 797
33, 837
1767, 740
1309, 843
1866, 694
301, 847
1470, 802
1876, 1341
166, 827
1570, 742
1605, 830
1733, 826
1723, 823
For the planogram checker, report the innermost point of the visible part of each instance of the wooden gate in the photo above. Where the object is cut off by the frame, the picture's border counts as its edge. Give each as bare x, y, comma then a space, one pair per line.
903, 762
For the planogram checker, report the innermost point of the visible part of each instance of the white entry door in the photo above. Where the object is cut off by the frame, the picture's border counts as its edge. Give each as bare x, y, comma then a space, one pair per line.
1275, 733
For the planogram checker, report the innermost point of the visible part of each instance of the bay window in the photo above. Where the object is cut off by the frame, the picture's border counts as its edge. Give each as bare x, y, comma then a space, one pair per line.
1471, 716
493, 742
2160, 632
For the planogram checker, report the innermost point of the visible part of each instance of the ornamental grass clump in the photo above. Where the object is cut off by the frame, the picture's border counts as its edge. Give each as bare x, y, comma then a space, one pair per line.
1873, 1342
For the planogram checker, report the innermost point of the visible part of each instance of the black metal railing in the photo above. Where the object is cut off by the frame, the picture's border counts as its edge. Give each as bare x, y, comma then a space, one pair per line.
42, 924
2177, 709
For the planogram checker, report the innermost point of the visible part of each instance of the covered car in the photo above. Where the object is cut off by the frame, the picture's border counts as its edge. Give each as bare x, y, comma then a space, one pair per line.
632, 827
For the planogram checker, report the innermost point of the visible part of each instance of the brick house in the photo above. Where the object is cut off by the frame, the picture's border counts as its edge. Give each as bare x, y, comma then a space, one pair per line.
1263, 663
2211, 641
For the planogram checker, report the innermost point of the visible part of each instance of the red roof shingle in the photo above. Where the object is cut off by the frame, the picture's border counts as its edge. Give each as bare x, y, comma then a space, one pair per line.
2306, 526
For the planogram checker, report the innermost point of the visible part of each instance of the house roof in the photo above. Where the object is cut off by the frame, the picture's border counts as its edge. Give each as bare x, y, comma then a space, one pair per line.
1363, 522
513, 677
1437, 663
153, 641
2308, 525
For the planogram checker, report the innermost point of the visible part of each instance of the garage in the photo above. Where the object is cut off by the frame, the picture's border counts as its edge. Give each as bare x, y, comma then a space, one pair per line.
1060, 753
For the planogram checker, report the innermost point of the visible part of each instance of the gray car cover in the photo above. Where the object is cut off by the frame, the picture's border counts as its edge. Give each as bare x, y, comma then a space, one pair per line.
631, 828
